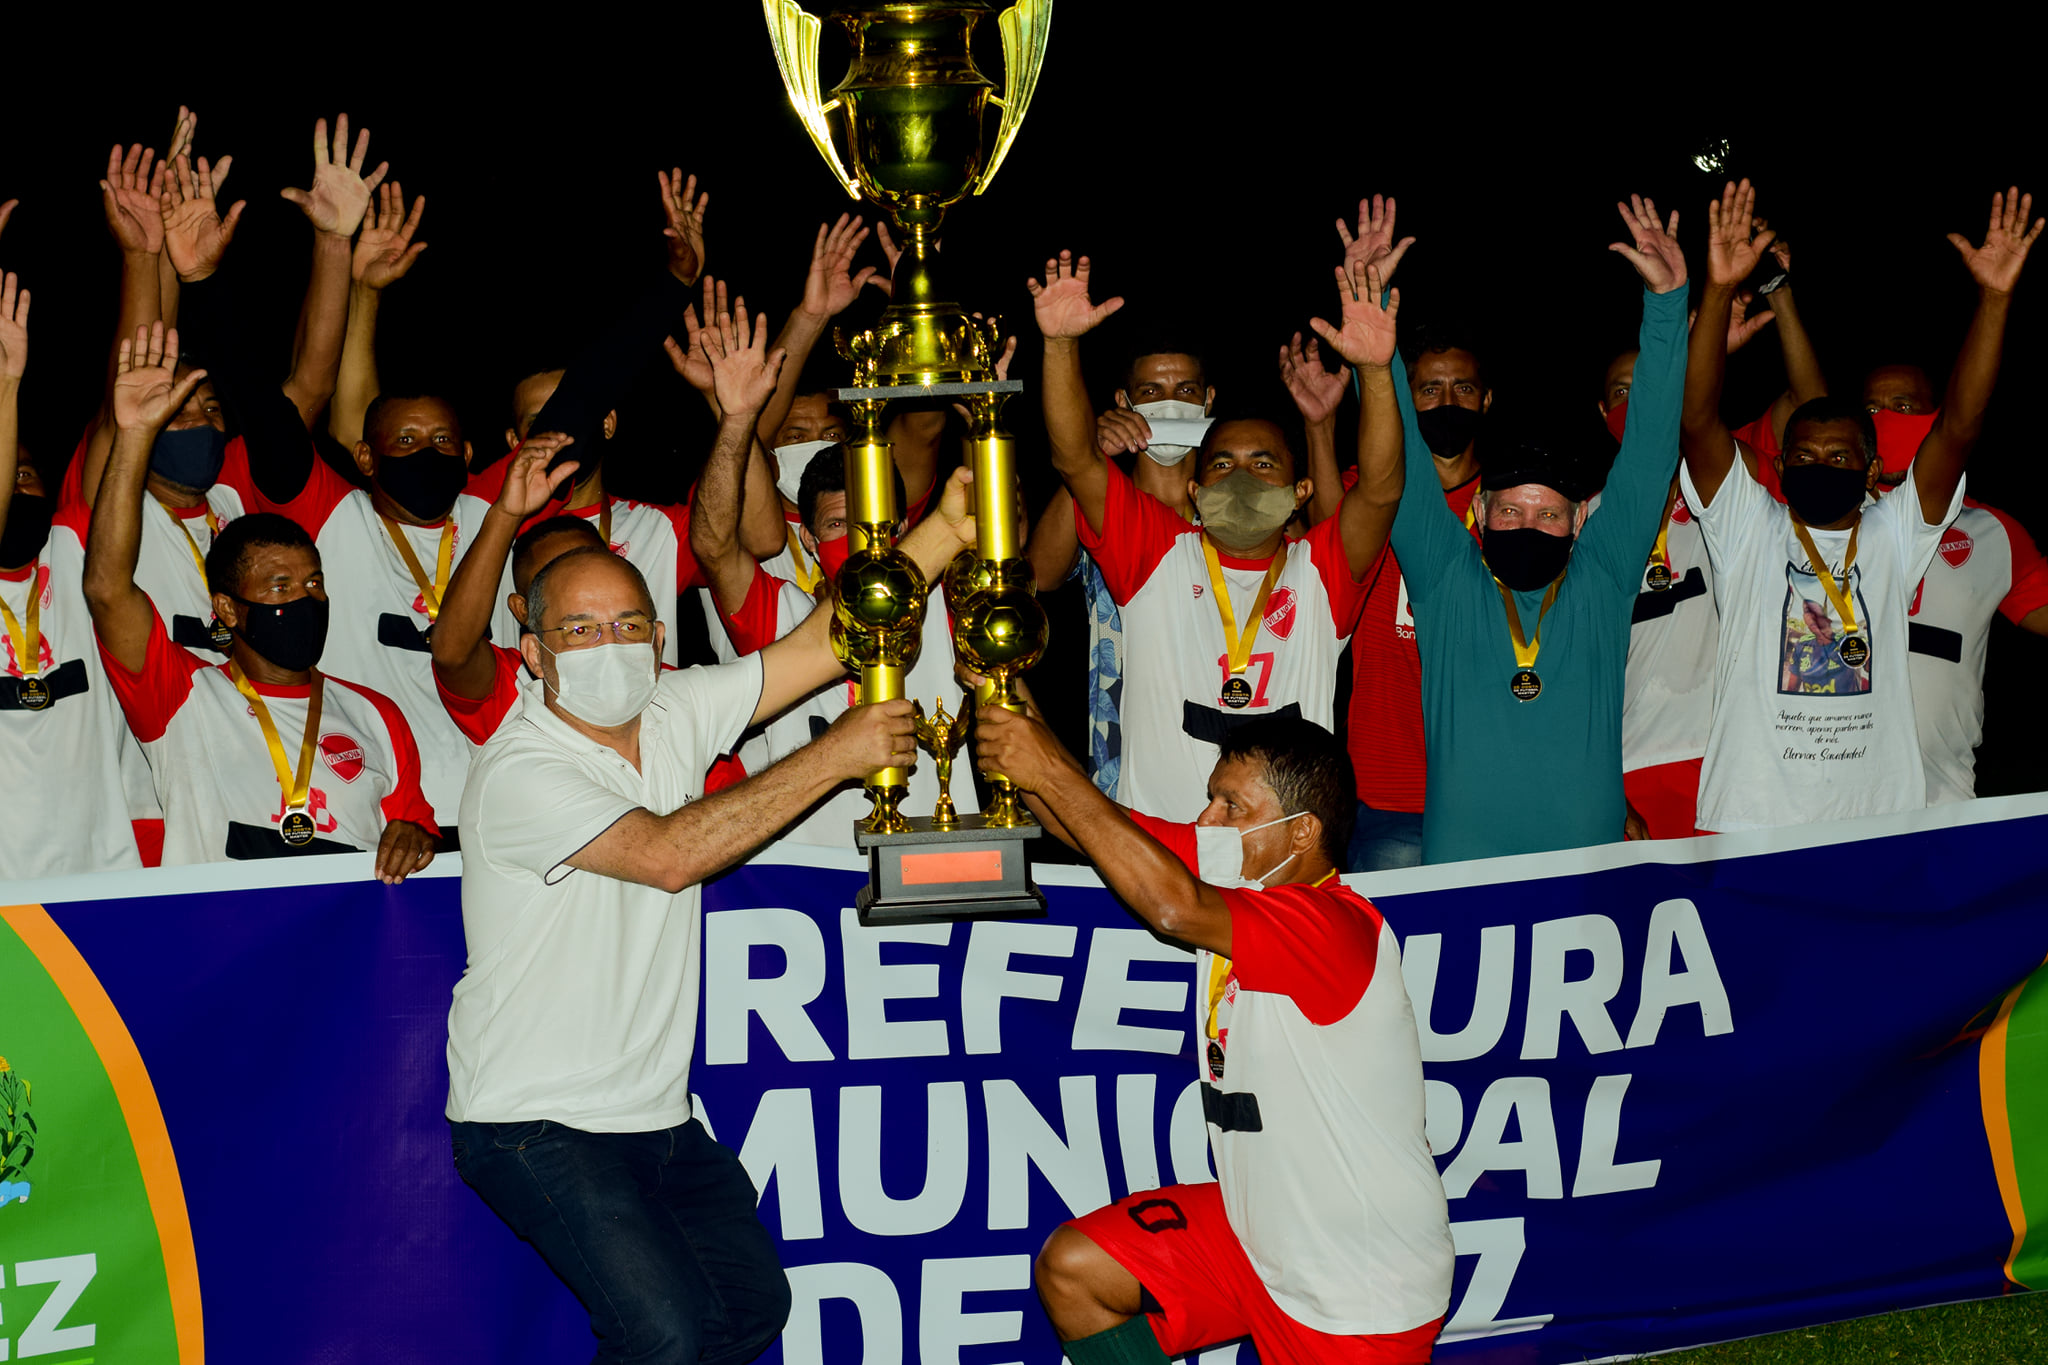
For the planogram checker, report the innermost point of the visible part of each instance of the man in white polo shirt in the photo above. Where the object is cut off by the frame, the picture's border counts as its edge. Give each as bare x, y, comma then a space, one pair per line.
587, 835
233, 748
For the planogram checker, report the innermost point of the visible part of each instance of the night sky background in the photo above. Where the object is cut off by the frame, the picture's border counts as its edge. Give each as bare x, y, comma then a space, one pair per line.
1199, 154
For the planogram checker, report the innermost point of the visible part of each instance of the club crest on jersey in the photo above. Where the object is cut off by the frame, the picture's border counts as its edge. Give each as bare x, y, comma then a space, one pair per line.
1957, 545
343, 756
1198, 589
1281, 609
1680, 513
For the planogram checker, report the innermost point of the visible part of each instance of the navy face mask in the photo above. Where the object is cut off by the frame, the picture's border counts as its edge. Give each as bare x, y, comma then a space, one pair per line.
190, 457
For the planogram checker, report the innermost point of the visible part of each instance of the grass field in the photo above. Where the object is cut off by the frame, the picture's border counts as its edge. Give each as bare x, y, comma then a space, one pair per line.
2009, 1331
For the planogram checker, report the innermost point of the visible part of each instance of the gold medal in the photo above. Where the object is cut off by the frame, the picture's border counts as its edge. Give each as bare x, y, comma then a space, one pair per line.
223, 638
430, 590
1853, 651
296, 828
26, 635
1658, 578
1237, 693
1525, 684
33, 695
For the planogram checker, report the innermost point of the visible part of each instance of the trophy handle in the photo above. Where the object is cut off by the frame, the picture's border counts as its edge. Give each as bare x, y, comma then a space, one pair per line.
1025, 26
794, 33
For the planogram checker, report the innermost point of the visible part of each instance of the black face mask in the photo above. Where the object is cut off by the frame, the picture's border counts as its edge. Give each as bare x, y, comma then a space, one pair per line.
1525, 559
27, 529
1822, 493
424, 484
1448, 429
190, 458
289, 634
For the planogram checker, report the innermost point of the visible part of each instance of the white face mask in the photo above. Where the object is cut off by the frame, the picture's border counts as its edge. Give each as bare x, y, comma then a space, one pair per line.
606, 685
1173, 422
1219, 854
790, 463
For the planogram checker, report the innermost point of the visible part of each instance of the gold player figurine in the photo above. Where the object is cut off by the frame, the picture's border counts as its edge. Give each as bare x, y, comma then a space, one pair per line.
941, 736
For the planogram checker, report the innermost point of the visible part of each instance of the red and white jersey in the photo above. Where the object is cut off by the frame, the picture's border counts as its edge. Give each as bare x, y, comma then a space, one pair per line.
1986, 563
776, 606
1667, 703
213, 768
1175, 666
378, 615
1311, 1076
1384, 721
792, 564
63, 764
653, 537
170, 562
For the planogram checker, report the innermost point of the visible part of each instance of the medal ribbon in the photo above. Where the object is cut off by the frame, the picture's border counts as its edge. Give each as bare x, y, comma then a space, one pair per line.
1843, 605
27, 631
1661, 552
198, 559
430, 593
796, 560
1219, 970
1525, 649
295, 789
1239, 647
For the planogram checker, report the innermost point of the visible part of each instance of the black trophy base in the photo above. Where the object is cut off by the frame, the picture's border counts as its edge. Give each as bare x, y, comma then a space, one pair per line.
933, 876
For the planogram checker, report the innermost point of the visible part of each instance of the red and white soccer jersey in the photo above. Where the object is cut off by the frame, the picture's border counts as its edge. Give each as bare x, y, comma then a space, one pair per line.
653, 537
1668, 699
170, 563
792, 564
1175, 666
1986, 563
1311, 1076
213, 768
776, 606
378, 615
1385, 716
63, 764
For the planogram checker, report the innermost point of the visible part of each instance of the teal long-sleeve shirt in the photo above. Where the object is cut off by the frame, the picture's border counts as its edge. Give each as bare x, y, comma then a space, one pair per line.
1508, 776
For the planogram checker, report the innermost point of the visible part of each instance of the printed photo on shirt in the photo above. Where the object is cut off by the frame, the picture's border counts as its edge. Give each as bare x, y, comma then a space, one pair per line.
1810, 661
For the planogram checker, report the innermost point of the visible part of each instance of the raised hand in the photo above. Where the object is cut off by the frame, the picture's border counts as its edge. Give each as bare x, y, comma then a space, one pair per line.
182, 132
831, 286
195, 233
1316, 391
1375, 237
743, 369
341, 192
1062, 305
1367, 335
1732, 252
147, 391
684, 209
694, 363
1742, 324
7, 211
1781, 250
1122, 432
529, 485
1653, 250
13, 329
1995, 266
385, 251
130, 197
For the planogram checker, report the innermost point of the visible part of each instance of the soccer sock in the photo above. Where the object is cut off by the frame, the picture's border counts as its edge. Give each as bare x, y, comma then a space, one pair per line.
1128, 1343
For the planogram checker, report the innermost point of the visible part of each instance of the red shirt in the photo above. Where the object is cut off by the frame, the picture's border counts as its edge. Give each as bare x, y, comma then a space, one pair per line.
1384, 722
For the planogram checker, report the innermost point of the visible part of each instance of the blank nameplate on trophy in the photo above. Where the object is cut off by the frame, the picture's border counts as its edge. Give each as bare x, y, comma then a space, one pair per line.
928, 876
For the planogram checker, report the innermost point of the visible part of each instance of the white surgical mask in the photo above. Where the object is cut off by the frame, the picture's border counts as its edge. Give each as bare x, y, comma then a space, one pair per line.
1219, 854
1172, 421
605, 685
790, 463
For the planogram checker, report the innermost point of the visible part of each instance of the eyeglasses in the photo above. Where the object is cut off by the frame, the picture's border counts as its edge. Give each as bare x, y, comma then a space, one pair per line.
584, 634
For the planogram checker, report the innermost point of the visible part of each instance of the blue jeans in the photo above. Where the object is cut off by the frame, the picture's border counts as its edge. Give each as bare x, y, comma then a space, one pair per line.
1381, 839
655, 1234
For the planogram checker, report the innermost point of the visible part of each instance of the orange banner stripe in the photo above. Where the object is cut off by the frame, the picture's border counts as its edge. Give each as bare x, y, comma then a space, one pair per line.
1998, 1125
137, 1095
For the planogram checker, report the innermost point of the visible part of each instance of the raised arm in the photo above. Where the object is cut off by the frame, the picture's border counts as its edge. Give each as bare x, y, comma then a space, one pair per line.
830, 287
146, 395
1140, 870
334, 206
744, 374
129, 200
1365, 338
384, 254
1065, 314
461, 637
762, 531
1732, 253
1995, 266
1316, 393
13, 361
1804, 381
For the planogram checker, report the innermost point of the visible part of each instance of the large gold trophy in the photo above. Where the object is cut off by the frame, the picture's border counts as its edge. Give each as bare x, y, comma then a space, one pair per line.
912, 115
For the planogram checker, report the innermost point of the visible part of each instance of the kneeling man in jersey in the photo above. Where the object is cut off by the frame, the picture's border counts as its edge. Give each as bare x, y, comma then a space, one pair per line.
586, 834
1325, 1237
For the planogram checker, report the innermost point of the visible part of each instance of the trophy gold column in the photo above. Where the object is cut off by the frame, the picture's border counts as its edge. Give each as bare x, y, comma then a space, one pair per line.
912, 117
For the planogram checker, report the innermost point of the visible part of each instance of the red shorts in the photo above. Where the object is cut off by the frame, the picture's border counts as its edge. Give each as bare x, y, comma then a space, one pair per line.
1667, 796
1179, 1245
